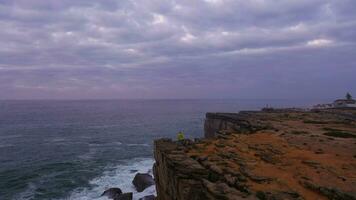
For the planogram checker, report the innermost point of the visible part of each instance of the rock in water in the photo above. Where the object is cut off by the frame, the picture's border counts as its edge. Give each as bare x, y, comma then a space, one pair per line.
112, 193
149, 197
142, 181
124, 196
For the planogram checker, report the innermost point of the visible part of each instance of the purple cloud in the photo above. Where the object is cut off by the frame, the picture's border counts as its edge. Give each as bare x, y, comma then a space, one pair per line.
177, 49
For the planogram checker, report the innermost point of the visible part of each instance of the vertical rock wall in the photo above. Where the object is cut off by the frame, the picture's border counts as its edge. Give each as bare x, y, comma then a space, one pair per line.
212, 126
174, 173
179, 177
237, 122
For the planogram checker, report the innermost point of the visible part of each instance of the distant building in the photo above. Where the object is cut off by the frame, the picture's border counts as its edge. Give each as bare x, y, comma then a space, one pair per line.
344, 103
323, 106
348, 102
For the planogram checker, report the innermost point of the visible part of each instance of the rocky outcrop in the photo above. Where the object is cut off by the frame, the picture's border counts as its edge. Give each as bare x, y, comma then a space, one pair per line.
111, 193
116, 194
148, 197
243, 122
124, 196
142, 181
179, 177
261, 155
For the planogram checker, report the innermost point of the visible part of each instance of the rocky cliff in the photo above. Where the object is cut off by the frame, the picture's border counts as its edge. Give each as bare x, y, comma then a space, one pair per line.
179, 177
243, 122
262, 155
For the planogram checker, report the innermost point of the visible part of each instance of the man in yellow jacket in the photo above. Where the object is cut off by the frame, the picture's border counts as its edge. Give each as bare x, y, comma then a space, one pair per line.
180, 136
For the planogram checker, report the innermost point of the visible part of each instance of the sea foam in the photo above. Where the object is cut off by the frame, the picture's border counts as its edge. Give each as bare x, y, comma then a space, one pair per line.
121, 176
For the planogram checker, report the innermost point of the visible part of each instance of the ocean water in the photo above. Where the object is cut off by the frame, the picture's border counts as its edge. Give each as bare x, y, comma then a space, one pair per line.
77, 149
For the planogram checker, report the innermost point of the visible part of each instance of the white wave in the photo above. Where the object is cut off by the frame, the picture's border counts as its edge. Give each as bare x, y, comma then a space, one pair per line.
105, 126
4, 137
121, 177
93, 149
89, 155
105, 144
28, 194
146, 145
54, 140
6, 145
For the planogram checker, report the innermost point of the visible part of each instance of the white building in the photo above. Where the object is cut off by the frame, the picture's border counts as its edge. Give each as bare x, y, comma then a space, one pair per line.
323, 106
344, 103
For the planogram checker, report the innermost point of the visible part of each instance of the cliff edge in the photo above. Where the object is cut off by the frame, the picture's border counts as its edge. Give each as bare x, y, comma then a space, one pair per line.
284, 154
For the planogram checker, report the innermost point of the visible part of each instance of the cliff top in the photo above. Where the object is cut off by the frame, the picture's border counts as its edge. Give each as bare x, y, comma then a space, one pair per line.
268, 155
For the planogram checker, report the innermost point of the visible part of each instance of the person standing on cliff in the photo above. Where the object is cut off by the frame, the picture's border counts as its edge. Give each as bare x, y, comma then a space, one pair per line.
180, 136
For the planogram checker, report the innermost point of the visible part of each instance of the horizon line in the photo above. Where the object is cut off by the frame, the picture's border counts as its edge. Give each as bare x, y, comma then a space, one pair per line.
110, 99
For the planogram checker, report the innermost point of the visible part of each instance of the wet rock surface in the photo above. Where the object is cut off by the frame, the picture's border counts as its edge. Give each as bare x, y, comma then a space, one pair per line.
149, 197
124, 196
112, 193
281, 154
142, 181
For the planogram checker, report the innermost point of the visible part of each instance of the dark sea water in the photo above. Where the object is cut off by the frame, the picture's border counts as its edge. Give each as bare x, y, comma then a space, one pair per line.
76, 149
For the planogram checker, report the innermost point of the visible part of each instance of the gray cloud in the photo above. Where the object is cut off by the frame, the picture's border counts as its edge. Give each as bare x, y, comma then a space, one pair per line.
177, 49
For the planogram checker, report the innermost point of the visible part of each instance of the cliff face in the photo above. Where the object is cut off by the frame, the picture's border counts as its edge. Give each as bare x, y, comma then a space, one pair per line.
179, 177
262, 155
174, 172
244, 122
215, 122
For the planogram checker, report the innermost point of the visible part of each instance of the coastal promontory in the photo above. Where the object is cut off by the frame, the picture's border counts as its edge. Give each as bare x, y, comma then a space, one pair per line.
271, 154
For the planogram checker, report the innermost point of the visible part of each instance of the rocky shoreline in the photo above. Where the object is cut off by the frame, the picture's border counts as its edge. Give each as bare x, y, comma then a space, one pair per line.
141, 182
271, 154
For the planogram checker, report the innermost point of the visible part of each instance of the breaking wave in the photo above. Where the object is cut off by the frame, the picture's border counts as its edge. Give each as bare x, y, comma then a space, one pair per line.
116, 176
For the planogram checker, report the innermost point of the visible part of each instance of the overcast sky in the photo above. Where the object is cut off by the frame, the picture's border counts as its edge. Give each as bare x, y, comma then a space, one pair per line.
58, 49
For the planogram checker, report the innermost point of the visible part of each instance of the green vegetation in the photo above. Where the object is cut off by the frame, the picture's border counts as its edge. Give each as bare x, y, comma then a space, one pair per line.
299, 132
315, 122
340, 134
346, 121
327, 122
332, 129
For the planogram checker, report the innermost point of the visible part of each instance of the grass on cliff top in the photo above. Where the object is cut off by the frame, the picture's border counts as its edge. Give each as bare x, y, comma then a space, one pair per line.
327, 122
315, 122
339, 133
294, 132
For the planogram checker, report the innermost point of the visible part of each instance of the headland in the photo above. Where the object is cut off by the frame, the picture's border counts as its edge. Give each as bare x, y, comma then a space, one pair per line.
268, 154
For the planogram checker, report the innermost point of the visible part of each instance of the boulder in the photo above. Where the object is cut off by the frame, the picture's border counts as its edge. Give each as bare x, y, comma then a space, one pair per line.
142, 181
124, 196
112, 193
149, 197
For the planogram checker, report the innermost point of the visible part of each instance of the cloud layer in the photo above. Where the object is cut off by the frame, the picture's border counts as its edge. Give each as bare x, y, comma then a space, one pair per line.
177, 49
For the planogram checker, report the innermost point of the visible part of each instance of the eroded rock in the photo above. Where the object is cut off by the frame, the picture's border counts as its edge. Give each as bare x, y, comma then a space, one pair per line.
142, 181
124, 196
112, 193
148, 197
